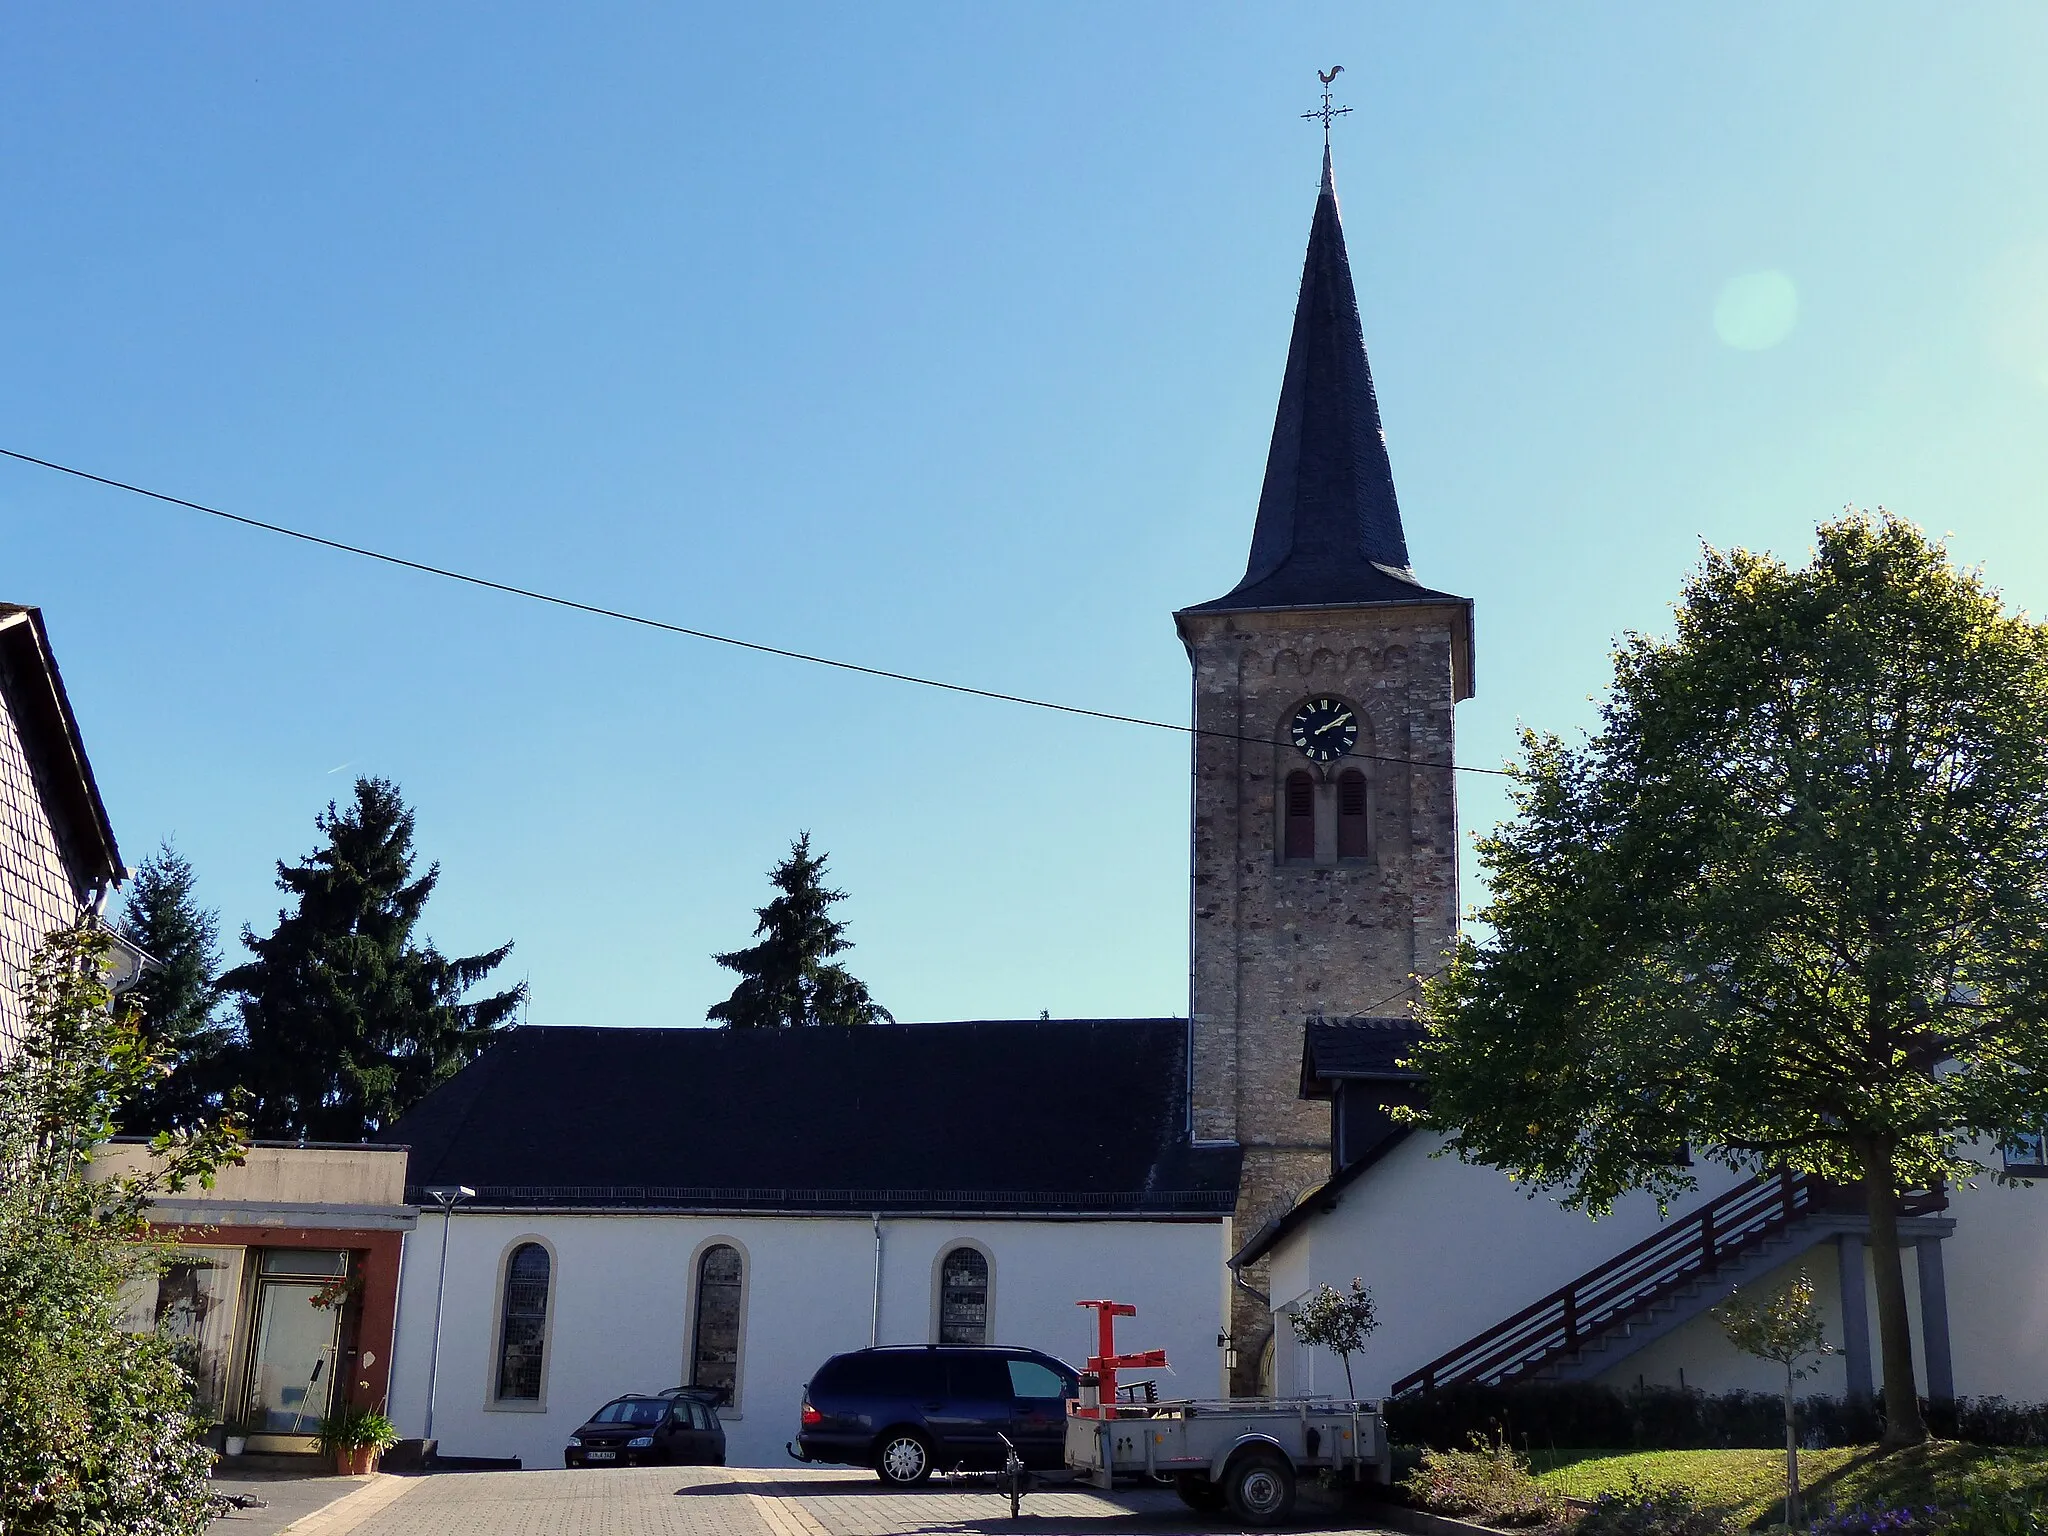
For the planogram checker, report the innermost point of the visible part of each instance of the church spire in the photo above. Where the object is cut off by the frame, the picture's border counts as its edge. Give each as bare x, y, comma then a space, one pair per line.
1329, 527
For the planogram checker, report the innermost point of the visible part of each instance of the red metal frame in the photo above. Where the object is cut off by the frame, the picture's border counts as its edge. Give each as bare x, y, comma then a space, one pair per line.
1106, 1362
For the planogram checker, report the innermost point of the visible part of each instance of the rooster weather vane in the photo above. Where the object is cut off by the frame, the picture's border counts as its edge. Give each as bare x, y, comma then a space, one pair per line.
1326, 112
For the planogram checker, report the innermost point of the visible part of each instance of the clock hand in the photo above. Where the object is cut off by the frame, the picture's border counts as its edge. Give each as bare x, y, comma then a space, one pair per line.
1333, 724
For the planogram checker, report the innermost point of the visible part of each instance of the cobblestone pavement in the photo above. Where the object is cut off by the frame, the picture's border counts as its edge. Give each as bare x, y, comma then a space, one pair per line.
708, 1501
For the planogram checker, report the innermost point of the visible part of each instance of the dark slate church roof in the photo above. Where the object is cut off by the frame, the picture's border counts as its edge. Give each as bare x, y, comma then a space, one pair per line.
1365, 1047
1329, 529
1065, 1116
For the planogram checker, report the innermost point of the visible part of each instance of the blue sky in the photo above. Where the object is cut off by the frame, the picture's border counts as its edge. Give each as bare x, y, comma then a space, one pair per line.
945, 339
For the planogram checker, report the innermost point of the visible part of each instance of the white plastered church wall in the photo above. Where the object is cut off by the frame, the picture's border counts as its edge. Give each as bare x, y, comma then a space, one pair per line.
620, 1297
1448, 1250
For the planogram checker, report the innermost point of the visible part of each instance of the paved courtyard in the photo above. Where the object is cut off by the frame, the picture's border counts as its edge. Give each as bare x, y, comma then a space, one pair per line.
706, 1501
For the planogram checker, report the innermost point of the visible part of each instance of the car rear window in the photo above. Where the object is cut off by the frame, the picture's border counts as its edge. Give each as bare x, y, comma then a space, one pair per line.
908, 1374
647, 1411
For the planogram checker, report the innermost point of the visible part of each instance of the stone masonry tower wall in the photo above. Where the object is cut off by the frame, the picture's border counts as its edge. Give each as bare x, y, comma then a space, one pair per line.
1277, 941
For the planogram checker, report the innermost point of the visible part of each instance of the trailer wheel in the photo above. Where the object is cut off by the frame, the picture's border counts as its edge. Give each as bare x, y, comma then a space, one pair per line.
1260, 1487
1198, 1493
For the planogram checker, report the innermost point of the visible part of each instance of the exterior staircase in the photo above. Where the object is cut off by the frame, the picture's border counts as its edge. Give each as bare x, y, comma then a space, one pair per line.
1666, 1280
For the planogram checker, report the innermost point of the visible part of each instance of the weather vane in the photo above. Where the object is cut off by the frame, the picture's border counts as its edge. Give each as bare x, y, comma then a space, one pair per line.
1326, 111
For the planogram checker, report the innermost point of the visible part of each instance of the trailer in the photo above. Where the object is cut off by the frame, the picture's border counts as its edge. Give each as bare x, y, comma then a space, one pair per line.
1244, 1453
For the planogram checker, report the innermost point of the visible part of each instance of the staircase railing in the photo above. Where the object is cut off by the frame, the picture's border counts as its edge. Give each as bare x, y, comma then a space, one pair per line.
1725, 1229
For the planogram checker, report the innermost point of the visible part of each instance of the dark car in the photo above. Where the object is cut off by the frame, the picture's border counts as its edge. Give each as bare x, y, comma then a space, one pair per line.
642, 1430
907, 1410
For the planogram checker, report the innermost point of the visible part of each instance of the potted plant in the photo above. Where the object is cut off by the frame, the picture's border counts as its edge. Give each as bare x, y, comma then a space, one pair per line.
355, 1437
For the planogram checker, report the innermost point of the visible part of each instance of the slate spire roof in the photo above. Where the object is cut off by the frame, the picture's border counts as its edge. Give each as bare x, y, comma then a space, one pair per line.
1329, 529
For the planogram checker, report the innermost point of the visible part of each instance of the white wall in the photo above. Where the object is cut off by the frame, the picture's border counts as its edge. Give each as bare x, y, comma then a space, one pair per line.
1997, 1272
619, 1310
1449, 1250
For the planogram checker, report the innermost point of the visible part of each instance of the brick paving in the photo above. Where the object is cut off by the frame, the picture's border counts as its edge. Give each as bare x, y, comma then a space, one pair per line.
710, 1501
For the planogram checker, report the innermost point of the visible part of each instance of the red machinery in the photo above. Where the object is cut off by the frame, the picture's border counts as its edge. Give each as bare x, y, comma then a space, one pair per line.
1106, 1362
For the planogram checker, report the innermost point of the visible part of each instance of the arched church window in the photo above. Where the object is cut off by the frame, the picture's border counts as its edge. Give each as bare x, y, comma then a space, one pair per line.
1351, 814
523, 1327
963, 1297
715, 1340
1299, 839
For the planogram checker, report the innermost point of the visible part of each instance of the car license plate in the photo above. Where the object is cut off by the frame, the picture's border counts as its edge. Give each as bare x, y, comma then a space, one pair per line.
600, 1455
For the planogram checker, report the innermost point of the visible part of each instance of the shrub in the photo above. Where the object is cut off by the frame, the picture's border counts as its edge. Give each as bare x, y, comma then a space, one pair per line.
1997, 1512
1858, 1521
1640, 1510
97, 1432
1584, 1415
1489, 1482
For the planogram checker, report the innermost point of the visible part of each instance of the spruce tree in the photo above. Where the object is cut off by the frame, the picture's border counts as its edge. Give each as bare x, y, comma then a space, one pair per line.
347, 1019
789, 978
179, 997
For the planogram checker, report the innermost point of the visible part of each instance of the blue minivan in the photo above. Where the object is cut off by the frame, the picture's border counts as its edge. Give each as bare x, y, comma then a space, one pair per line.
906, 1410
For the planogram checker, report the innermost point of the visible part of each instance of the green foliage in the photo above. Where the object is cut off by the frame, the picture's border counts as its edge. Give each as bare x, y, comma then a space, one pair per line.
1641, 1509
352, 1428
1785, 906
789, 978
1750, 1483
179, 998
97, 1436
1338, 1322
348, 1020
1785, 1327
1490, 1482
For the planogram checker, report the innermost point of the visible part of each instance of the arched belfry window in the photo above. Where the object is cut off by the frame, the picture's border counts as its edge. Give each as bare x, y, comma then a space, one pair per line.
715, 1339
523, 1325
963, 1297
1351, 814
1298, 838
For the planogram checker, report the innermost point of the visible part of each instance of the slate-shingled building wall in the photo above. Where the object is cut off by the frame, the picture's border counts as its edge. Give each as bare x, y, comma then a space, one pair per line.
57, 853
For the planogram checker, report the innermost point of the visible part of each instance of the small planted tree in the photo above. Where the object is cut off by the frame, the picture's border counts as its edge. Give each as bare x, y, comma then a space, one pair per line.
1337, 1321
1785, 1328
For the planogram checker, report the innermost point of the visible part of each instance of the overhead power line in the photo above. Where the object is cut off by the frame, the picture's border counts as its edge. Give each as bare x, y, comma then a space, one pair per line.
599, 611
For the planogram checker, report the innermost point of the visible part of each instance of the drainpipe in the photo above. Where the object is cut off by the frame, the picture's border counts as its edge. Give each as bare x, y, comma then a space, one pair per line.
875, 1316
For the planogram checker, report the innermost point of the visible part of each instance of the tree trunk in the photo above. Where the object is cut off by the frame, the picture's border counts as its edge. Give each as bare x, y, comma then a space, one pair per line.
1792, 1512
1348, 1387
1902, 1423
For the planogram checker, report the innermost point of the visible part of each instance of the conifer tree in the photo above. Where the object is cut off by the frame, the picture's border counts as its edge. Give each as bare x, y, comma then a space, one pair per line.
347, 1019
789, 978
179, 996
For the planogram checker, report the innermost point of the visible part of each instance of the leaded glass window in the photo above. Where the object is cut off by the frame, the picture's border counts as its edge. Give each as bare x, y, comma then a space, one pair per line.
963, 1297
522, 1335
715, 1351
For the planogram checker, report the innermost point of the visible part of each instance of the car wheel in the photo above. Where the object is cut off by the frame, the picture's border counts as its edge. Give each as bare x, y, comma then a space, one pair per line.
1198, 1493
1260, 1487
905, 1458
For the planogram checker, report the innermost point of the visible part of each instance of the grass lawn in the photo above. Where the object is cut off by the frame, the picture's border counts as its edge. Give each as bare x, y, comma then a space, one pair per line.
1751, 1484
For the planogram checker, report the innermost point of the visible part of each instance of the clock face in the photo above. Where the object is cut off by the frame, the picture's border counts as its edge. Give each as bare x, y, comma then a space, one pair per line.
1324, 728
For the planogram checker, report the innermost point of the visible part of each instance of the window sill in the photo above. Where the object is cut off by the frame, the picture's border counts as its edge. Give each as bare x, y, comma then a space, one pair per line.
516, 1407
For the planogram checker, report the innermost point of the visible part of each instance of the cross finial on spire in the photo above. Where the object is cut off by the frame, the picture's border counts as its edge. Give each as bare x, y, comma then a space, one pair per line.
1326, 112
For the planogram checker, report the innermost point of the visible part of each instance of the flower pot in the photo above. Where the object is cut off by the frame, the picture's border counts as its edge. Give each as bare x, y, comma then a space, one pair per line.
355, 1460
237, 1444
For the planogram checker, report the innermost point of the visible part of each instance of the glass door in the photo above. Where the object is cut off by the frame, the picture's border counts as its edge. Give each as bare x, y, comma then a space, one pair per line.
292, 1345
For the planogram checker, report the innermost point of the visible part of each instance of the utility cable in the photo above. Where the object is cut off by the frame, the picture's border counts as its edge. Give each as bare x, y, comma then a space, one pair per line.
485, 582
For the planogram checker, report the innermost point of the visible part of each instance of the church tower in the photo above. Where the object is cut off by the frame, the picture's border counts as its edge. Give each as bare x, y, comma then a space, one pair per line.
1325, 814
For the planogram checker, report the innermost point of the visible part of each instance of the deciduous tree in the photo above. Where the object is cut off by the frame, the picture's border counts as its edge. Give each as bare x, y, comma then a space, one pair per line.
1785, 1329
1789, 904
348, 1018
789, 978
1337, 1321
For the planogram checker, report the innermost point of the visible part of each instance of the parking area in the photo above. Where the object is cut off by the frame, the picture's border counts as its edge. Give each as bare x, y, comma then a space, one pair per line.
708, 1501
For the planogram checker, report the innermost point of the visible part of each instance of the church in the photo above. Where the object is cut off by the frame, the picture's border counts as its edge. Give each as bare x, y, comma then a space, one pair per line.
614, 1210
